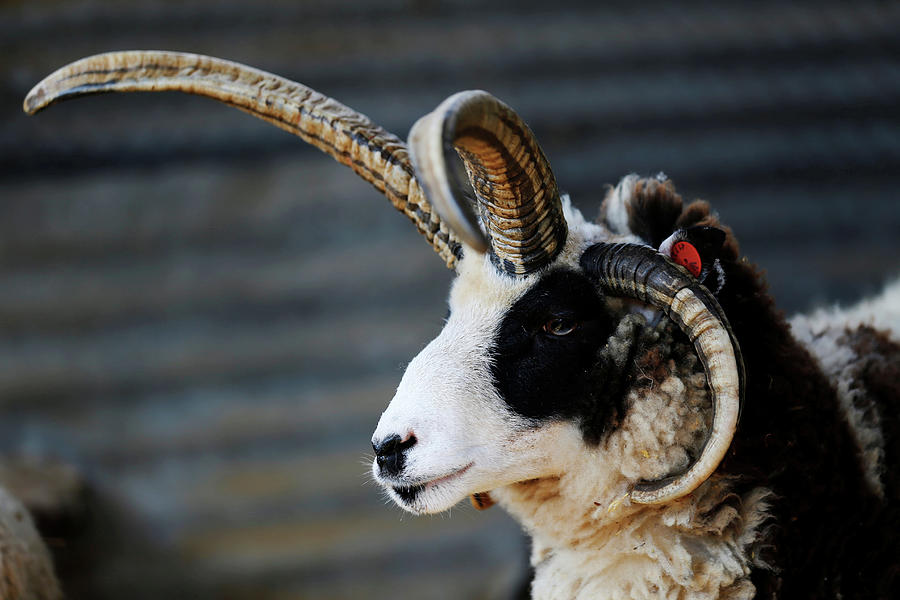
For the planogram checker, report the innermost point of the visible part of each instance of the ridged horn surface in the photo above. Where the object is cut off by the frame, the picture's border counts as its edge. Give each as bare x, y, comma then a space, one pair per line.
376, 155
515, 189
641, 273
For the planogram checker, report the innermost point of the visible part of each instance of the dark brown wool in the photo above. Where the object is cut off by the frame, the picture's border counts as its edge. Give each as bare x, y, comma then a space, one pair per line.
831, 536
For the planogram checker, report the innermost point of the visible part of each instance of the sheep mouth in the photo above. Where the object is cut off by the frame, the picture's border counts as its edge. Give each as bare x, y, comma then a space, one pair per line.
408, 494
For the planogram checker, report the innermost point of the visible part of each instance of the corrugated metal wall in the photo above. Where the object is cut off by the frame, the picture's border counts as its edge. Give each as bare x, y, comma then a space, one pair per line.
207, 317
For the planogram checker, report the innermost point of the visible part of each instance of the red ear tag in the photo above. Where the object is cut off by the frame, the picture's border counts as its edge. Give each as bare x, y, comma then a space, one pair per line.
687, 256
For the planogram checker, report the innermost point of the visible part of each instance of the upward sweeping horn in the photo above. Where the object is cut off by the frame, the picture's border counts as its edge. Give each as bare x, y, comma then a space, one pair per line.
521, 222
349, 137
514, 186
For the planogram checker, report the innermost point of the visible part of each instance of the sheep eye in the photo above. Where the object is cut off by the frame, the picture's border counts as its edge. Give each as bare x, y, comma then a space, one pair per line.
560, 326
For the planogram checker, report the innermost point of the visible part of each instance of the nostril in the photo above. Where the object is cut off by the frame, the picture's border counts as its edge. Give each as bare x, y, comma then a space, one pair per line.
387, 446
393, 445
389, 452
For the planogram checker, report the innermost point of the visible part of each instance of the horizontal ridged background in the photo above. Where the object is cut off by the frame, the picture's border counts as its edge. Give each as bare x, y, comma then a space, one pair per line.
207, 317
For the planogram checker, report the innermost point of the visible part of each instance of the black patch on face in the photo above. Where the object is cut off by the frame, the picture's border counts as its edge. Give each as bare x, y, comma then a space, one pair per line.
544, 376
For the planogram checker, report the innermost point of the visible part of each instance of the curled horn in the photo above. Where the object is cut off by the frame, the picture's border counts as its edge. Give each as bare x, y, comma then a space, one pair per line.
640, 272
376, 155
515, 189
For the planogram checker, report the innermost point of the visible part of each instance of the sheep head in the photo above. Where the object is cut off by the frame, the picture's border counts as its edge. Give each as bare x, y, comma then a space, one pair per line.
488, 402
493, 399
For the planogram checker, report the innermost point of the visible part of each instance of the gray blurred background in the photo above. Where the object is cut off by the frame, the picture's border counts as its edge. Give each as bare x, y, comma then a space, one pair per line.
201, 318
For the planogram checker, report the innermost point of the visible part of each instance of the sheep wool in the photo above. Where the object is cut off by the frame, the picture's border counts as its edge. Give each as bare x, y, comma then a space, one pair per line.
852, 347
590, 541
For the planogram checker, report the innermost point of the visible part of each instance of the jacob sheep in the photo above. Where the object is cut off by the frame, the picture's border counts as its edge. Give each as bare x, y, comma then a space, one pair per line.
625, 389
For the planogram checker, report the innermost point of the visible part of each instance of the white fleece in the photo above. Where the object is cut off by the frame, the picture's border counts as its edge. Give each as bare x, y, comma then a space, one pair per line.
827, 334
590, 541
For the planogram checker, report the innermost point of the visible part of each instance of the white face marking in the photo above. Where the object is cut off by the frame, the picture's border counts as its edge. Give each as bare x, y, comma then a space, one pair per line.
467, 440
447, 400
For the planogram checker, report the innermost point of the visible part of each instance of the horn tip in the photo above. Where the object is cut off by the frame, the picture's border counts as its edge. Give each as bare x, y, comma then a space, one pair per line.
39, 98
35, 101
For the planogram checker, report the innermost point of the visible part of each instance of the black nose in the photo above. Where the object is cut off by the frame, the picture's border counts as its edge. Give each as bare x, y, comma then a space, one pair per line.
389, 453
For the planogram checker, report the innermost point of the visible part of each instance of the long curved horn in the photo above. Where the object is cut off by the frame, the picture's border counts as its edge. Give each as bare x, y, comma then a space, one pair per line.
642, 273
376, 155
515, 188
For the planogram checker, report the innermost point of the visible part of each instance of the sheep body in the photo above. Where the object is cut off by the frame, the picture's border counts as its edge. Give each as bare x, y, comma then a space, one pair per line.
841, 342
819, 426
590, 543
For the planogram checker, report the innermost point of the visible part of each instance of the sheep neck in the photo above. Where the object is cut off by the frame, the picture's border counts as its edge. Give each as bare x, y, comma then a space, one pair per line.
697, 547
589, 541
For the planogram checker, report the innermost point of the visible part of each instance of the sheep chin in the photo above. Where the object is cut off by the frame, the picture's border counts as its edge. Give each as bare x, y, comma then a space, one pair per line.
432, 496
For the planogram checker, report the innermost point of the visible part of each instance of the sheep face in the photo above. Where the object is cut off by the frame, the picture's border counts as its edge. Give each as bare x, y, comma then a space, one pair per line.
495, 398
